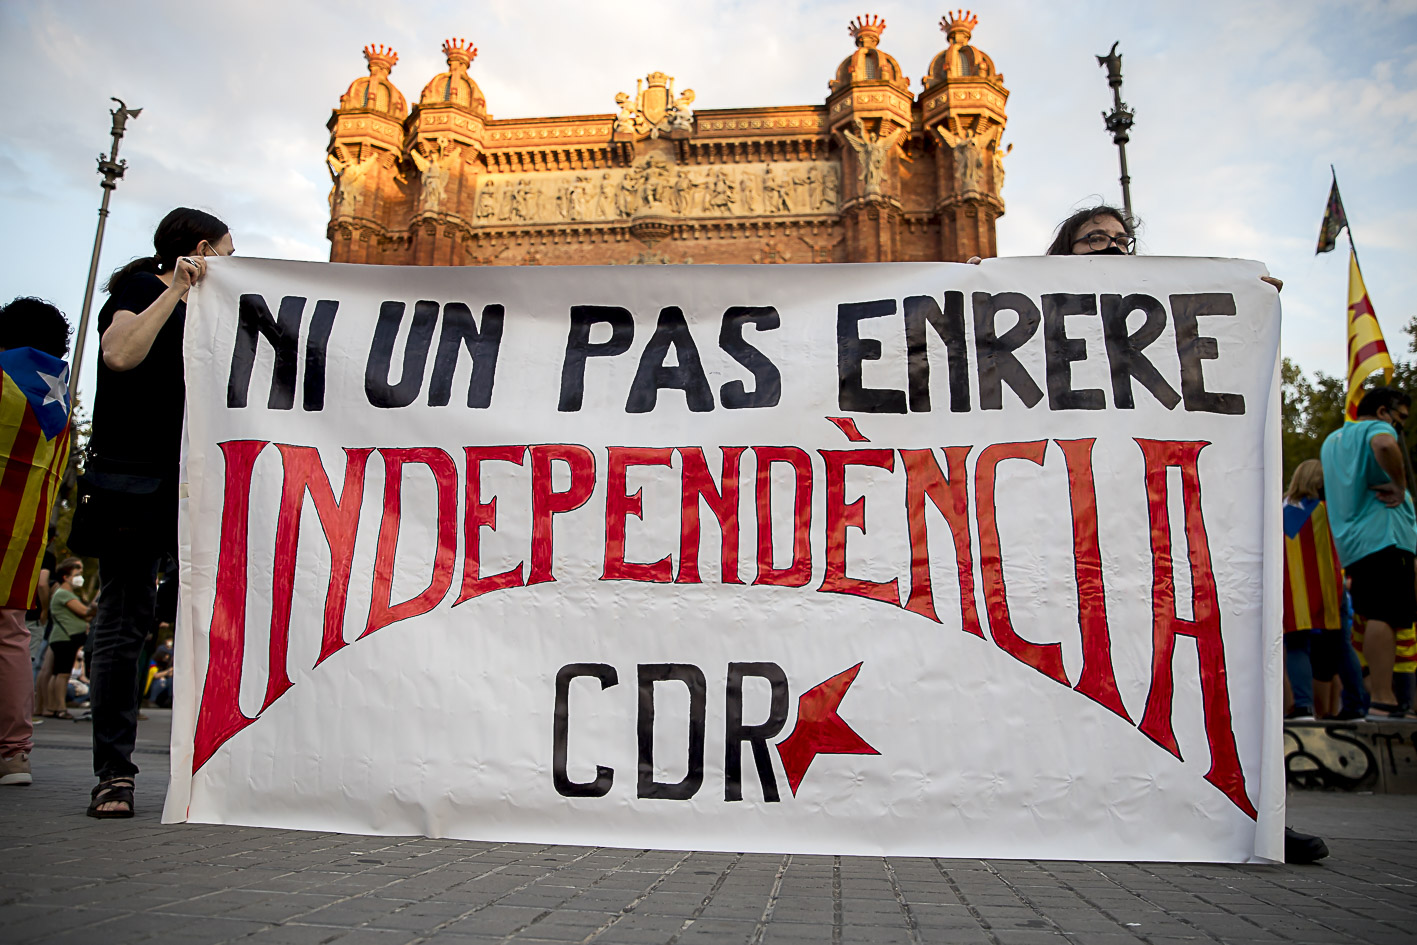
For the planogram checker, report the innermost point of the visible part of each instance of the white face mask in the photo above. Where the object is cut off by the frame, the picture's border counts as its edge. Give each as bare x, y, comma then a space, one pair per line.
78, 580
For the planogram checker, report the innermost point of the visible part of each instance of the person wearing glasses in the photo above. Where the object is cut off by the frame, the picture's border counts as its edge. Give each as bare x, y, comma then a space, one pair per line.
1104, 231
1094, 231
131, 477
1099, 230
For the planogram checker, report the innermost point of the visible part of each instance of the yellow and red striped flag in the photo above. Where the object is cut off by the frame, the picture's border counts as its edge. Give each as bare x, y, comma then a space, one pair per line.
1367, 352
1313, 578
34, 448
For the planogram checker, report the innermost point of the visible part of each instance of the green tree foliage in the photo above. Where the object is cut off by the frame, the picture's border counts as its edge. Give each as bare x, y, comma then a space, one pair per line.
62, 518
1312, 408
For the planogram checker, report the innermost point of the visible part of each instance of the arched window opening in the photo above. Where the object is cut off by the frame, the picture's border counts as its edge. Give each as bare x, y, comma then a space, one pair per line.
966, 61
873, 65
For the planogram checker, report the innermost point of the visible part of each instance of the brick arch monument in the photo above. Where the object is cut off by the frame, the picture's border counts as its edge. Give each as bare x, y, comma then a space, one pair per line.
873, 174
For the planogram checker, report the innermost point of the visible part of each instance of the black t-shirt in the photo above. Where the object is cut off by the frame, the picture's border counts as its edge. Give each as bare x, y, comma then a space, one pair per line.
137, 414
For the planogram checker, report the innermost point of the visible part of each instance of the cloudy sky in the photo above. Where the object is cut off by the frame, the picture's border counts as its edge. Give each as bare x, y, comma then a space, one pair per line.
1241, 108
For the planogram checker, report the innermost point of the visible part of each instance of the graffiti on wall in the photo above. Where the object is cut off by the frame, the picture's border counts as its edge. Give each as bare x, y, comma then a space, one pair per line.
1367, 756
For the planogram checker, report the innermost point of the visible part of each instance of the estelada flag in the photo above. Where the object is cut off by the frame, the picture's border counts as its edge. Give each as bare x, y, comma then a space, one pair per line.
1313, 578
1367, 352
34, 448
1334, 220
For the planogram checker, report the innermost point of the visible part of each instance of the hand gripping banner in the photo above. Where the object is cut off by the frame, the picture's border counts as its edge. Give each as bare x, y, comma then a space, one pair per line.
906, 559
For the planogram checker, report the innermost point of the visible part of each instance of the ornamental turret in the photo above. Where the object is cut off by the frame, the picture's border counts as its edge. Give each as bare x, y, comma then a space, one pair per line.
445, 136
869, 112
869, 63
451, 111
374, 91
962, 110
455, 86
960, 59
366, 133
869, 85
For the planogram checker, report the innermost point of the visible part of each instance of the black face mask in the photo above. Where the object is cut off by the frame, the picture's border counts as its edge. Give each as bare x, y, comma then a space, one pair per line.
1111, 250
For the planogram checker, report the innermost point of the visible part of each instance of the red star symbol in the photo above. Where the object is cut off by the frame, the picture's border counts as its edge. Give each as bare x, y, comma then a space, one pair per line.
819, 730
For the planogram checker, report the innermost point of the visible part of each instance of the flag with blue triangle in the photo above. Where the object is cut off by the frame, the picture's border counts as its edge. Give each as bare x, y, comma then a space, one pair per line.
34, 451
44, 380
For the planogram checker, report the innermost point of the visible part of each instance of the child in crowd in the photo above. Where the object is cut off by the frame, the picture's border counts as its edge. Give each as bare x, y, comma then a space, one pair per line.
1313, 591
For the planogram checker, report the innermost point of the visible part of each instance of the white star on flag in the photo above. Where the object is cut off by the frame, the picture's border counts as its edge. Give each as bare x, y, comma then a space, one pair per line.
58, 387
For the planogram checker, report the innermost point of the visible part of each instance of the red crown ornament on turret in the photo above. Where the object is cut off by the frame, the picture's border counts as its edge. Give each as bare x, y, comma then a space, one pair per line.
866, 30
459, 50
960, 21
380, 56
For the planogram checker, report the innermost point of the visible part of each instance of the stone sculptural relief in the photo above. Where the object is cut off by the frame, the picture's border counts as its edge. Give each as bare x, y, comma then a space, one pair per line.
653, 109
968, 149
653, 186
436, 169
999, 167
348, 173
872, 150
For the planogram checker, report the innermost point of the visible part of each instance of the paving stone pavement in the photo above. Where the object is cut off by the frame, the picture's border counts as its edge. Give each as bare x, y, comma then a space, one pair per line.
65, 878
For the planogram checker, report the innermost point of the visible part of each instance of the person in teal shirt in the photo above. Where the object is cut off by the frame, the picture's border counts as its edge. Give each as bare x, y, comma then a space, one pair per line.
1370, 513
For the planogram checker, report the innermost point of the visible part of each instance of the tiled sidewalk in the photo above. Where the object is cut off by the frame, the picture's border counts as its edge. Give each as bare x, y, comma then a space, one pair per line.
65, 878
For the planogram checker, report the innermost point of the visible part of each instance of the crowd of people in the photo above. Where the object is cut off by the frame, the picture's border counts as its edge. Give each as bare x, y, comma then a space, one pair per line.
63, 626
1349, 540
59, 632
125, 516
1352, 514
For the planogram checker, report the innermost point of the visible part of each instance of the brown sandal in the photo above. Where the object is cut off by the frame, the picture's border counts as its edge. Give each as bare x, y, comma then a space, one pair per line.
112, 791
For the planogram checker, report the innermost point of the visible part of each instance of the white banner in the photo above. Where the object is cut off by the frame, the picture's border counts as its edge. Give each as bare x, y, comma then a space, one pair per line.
905, 559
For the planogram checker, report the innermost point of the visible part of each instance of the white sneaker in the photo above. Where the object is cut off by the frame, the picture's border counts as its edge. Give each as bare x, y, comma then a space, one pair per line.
16, 769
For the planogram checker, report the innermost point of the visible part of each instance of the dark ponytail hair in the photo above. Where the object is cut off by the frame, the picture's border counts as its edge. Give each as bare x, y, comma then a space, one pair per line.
178, 234
1068, 230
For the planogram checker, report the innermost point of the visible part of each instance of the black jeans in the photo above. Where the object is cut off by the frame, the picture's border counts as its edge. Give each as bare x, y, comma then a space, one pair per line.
124, 619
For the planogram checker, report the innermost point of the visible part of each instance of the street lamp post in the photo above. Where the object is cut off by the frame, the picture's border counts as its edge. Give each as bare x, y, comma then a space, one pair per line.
112, 170
1119, 122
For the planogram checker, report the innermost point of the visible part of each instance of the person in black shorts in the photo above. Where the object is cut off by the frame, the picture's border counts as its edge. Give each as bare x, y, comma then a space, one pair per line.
1374, 525
1382, 587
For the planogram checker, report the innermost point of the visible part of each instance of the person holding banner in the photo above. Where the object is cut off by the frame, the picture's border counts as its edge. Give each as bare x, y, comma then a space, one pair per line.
1103, 231
1094, 231
1375, 529
129, 492
34, 431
